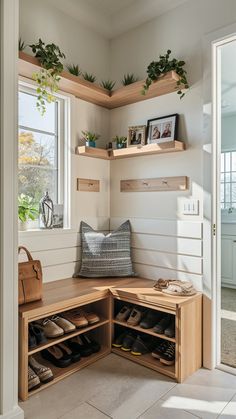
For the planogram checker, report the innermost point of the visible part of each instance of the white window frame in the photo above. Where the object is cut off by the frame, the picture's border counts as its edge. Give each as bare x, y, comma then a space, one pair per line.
64, 154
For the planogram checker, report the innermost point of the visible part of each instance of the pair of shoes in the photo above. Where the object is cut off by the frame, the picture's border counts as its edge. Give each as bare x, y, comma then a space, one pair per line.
81, 318
132, 315
85, 345
55, 326
37, 374
136, 344
175, 287
151, 318
166, 326
35, 336
165, 352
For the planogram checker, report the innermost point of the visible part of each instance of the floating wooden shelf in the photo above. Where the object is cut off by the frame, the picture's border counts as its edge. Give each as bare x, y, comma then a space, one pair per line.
93, 93
99, 153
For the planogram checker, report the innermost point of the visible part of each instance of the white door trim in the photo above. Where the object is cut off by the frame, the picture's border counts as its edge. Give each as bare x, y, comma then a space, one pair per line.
9, 18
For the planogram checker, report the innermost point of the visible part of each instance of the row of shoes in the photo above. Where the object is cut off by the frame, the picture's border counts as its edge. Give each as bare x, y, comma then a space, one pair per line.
38, 374
65, 353
161, 323
141, 344
57, 326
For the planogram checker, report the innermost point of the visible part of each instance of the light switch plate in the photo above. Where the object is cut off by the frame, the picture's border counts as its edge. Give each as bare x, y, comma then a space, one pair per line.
191, 207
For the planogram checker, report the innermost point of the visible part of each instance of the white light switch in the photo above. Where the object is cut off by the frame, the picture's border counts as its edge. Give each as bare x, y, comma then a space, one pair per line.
191, 207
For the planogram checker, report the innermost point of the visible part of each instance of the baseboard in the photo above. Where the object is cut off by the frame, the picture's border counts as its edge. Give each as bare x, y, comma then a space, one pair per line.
16, 413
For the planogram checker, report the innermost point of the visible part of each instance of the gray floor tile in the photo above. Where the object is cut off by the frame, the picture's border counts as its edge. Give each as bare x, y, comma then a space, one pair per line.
131, 391
164, 410
229, 411
83, 411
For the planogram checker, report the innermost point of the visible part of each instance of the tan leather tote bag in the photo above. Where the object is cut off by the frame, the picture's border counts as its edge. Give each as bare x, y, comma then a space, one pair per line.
30, 279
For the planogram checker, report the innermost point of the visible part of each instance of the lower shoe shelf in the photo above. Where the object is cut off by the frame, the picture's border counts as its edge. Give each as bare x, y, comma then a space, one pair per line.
147, 360
141, 330
61, 373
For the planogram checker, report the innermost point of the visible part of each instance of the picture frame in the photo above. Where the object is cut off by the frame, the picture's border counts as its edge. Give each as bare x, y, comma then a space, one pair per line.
162, 129
136, 136
58, 216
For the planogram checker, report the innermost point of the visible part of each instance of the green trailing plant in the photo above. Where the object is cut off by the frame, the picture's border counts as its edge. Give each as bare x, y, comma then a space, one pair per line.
89, 77
158, 68
108, 84
26, 208
21, 45
129, 78
48, 77
120, 140
90, 136
74, 69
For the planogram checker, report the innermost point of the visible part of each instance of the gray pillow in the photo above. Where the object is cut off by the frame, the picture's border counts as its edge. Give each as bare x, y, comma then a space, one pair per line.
106, 255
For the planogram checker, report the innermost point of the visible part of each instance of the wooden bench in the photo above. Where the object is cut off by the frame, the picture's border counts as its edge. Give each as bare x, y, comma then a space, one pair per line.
104, 296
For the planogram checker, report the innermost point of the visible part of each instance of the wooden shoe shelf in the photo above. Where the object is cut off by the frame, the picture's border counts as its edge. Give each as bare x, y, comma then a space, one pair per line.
103, 296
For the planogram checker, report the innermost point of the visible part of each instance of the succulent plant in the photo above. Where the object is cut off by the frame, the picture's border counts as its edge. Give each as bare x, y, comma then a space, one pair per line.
74, 69
129, 78
21, 45
89, 77
108, 84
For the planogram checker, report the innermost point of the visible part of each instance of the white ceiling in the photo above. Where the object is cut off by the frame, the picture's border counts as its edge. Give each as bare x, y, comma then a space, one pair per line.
114, 17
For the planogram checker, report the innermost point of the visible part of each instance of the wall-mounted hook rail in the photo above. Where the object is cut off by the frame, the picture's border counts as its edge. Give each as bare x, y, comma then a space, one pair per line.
177, 183
88, 185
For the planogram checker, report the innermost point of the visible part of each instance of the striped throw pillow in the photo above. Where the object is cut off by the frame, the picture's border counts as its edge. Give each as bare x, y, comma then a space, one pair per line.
106, 255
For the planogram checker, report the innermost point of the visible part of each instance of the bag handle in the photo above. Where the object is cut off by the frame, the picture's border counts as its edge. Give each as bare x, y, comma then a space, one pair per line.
26, 251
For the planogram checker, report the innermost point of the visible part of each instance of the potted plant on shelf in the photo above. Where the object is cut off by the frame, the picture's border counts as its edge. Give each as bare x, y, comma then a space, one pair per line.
157, 69
121, 142
26, 211
90, 138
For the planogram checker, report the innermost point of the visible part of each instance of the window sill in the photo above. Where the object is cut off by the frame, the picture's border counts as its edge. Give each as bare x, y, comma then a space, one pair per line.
46, 232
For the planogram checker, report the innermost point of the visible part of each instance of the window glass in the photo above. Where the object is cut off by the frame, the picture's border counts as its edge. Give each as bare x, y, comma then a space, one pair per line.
30, 117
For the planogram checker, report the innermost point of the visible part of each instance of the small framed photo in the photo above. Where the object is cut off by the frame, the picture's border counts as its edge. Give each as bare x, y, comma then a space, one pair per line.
163, 129
58, 216
136, 136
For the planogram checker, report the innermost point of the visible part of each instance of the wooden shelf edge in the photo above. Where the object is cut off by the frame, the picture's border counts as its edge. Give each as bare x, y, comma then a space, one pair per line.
96, 94
67, 336
148, 149
146, 331
147, 361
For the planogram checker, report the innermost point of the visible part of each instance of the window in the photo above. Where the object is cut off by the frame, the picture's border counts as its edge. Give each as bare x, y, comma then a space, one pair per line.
42, 155
228, 180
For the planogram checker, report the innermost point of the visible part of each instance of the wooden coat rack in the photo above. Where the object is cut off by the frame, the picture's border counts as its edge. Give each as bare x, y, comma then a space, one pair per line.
177, 183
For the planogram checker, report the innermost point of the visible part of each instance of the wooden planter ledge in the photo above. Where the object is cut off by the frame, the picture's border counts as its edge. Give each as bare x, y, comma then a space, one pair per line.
93, 93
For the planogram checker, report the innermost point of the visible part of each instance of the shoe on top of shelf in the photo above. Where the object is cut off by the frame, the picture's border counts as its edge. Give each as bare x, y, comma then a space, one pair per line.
77, 344
93, 344
160, 348
76, 317
65, 324
124, 313
150, 319
37, 332
91, 317
162, 325
75, 355
142, 345
56, 356
135, 316
44, 373
33, 380
119, 340
49, 328
128, 341
168, 357
170, 330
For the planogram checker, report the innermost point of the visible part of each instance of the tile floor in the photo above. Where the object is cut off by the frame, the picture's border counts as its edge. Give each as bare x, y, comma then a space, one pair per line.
119, 389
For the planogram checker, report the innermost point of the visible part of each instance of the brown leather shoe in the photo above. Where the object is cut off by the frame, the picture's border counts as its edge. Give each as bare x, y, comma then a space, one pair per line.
76, 317
91, 317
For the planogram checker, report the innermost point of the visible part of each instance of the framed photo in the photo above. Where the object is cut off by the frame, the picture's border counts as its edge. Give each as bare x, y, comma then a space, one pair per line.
136, 136
163, 129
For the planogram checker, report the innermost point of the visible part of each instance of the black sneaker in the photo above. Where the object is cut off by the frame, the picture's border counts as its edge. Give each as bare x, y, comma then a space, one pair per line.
32, 343
37, 331
162, 325
119, 340
160, 349
95, 346
168, 358
128, 341
142, 345
150, 319
170, 330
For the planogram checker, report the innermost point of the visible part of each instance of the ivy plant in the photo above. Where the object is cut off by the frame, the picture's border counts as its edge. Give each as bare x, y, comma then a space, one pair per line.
158, 68
48, 77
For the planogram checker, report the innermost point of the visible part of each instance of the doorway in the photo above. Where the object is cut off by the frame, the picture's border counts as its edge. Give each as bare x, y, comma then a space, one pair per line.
224, 176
